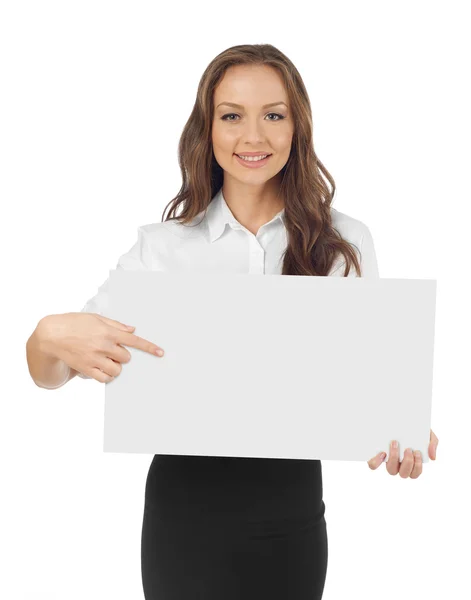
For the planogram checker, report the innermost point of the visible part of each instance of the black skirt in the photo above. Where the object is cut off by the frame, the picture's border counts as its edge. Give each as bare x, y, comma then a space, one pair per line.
233, 528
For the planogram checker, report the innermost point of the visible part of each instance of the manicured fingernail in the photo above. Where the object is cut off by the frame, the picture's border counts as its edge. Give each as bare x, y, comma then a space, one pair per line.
383, 456
395, 444
417, 453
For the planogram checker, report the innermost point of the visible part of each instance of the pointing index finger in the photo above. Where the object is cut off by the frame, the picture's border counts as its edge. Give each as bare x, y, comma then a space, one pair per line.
133, 340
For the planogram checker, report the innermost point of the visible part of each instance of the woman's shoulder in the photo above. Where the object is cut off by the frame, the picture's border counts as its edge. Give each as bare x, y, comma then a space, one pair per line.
349, 227
355, 232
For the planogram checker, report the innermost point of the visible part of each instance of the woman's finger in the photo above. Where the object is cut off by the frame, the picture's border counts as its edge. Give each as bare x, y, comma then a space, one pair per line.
374, 462
417, 470
407, 464
432, 447
392, 466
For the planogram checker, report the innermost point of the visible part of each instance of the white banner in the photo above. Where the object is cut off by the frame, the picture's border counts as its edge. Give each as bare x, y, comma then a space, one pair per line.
272, 366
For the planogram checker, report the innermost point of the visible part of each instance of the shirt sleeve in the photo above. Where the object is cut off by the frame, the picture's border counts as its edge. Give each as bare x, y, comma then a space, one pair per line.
138, 257
369, 261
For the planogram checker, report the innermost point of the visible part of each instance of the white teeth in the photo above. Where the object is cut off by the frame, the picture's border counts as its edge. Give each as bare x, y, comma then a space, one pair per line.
252, 158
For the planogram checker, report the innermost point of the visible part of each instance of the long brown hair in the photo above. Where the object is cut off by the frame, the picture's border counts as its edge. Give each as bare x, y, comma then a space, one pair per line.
313, 243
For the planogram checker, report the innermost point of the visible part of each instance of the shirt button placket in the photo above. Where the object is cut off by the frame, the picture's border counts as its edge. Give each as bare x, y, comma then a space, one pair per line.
257, 257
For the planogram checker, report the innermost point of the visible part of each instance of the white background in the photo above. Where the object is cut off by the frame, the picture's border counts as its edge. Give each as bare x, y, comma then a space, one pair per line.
94, 96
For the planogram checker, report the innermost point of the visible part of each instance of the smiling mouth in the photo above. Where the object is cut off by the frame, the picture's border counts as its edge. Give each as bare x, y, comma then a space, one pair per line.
252, 157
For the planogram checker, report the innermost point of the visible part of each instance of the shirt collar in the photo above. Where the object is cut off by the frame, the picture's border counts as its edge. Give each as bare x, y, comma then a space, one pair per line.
218, 215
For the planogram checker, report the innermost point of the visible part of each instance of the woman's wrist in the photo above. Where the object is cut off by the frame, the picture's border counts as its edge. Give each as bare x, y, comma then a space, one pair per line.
45, 333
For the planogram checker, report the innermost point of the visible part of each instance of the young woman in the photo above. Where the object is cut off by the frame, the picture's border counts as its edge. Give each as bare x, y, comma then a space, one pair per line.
253, 200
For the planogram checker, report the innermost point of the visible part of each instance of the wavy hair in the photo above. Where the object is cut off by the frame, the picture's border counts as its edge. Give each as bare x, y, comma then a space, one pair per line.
313, 243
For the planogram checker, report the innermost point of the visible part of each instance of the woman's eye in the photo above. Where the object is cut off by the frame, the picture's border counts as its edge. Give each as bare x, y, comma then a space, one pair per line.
225, 117
280, 117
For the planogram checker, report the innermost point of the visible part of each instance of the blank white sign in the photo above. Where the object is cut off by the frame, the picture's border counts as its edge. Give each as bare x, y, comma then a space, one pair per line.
272, 366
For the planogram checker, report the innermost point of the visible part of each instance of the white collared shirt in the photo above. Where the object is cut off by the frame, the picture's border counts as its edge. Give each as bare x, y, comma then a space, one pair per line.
217, 242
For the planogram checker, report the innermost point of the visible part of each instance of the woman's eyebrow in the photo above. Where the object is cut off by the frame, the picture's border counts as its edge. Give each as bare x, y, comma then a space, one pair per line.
234, 105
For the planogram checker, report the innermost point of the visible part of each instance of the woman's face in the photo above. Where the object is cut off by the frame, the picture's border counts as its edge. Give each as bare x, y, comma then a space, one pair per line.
251, 127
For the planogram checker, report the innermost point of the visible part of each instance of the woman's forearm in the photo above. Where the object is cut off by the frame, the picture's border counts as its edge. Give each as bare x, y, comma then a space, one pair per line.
46, 370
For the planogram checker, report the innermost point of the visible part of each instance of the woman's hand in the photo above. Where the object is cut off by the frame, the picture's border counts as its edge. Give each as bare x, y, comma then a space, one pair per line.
91, 343
411, 465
